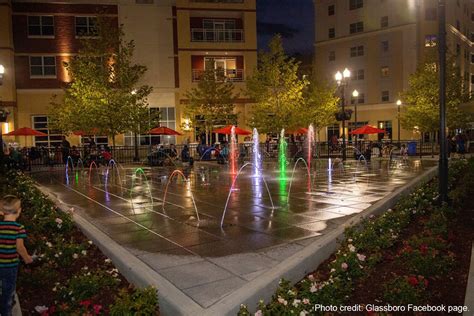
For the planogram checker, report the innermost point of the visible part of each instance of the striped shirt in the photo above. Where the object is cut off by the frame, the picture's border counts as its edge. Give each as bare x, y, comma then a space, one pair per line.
9, 233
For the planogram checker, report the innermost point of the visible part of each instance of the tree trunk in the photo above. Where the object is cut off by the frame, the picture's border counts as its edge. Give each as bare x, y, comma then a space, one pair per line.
135, 137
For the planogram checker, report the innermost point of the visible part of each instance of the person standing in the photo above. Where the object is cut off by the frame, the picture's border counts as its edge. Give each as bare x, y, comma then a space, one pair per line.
65, 149
12, 235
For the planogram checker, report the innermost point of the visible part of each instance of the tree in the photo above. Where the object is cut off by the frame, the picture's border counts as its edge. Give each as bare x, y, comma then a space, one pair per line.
422, 97
276, 90
321, 105
104, 93
212, 102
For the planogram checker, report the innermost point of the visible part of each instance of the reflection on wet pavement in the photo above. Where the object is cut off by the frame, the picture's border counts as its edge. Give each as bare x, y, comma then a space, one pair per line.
136, 218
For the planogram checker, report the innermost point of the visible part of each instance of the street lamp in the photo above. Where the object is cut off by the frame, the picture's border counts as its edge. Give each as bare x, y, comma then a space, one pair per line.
3, 117
342, 79
355, 95
2, 72
399, 103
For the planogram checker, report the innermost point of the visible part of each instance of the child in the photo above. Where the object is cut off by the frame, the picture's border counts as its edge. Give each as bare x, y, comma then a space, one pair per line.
12, 235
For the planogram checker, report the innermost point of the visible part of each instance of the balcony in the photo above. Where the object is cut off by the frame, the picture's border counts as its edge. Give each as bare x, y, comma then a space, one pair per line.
233, 75
217, 35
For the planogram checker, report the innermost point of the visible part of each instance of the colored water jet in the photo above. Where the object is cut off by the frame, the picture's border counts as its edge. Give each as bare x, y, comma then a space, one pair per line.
257, 160
282, 146
233, 151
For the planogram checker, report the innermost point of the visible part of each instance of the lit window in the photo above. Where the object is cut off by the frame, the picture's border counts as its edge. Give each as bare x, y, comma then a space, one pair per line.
430, 40
384, 71
53, 138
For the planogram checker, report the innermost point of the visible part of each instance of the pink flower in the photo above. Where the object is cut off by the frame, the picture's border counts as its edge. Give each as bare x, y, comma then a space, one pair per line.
282, 301
97, 308
305, 301
361, 257
311, 277
344, 266
258, 313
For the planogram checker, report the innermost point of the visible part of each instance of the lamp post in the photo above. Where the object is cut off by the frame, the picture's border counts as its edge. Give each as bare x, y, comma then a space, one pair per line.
3, 117
399, 103
443, 157
342, 79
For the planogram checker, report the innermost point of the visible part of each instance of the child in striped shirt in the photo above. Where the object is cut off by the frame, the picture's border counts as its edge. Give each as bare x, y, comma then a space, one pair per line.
12, 235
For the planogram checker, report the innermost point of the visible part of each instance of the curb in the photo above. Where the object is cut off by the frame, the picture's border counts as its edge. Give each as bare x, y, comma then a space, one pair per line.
469, 300
173, 302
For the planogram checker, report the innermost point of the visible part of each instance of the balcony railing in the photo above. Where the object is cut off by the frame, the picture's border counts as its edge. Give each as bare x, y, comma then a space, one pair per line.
234, 75
214, 35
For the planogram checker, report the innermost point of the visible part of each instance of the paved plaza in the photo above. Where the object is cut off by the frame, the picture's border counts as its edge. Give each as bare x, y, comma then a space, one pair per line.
202, 259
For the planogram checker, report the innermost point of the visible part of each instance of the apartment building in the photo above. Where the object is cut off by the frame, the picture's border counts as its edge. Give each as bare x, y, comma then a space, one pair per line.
175, 39
381, 42
219, 35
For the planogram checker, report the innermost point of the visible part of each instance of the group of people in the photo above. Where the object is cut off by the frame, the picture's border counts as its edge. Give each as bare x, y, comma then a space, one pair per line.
458, 143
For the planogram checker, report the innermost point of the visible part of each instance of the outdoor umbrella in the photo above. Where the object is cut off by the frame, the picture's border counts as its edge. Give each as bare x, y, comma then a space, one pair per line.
92, 131
25, 131
228, 130
367, 129
299, 131
163, 130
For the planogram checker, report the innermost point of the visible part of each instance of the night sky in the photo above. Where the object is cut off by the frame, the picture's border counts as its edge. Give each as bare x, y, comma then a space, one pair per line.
294, 19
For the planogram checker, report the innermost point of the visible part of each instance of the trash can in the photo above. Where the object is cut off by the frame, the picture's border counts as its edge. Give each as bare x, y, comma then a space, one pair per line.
411, 148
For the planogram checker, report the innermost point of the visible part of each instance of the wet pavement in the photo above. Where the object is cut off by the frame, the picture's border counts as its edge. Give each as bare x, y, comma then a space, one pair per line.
201, 258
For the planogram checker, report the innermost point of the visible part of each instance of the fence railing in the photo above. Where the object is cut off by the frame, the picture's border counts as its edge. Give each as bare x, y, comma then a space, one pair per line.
217, 35
31, 157
234, 75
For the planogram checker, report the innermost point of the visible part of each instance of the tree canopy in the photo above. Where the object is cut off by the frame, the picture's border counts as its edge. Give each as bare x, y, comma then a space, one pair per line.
211, 102
105, 92
276, 90
422, 97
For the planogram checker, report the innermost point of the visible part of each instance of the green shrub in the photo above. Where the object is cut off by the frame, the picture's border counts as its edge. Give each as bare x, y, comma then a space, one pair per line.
140, 302
406, 290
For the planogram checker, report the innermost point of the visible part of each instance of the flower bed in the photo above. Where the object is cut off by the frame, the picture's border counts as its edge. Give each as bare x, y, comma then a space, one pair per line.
71, 276
414, 238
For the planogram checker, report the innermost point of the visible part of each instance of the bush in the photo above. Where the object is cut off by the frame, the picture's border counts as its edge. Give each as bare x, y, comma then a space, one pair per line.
406, 290
139, 302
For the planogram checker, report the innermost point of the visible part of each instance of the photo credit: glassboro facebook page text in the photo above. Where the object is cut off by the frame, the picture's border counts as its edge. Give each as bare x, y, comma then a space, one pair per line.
391, 308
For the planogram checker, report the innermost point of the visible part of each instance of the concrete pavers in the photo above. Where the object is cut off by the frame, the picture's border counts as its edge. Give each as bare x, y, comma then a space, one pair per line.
212, 267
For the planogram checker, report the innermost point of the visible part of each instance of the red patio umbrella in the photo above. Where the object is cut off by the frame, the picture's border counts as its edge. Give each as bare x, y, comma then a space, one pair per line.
299, 131
25, 131
367, 129
163, 130
92, 131
228, 130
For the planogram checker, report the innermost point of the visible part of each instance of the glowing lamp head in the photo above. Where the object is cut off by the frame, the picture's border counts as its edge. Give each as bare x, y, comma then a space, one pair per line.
2, 70
346, 73
338, 76
355, 93
399, 102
